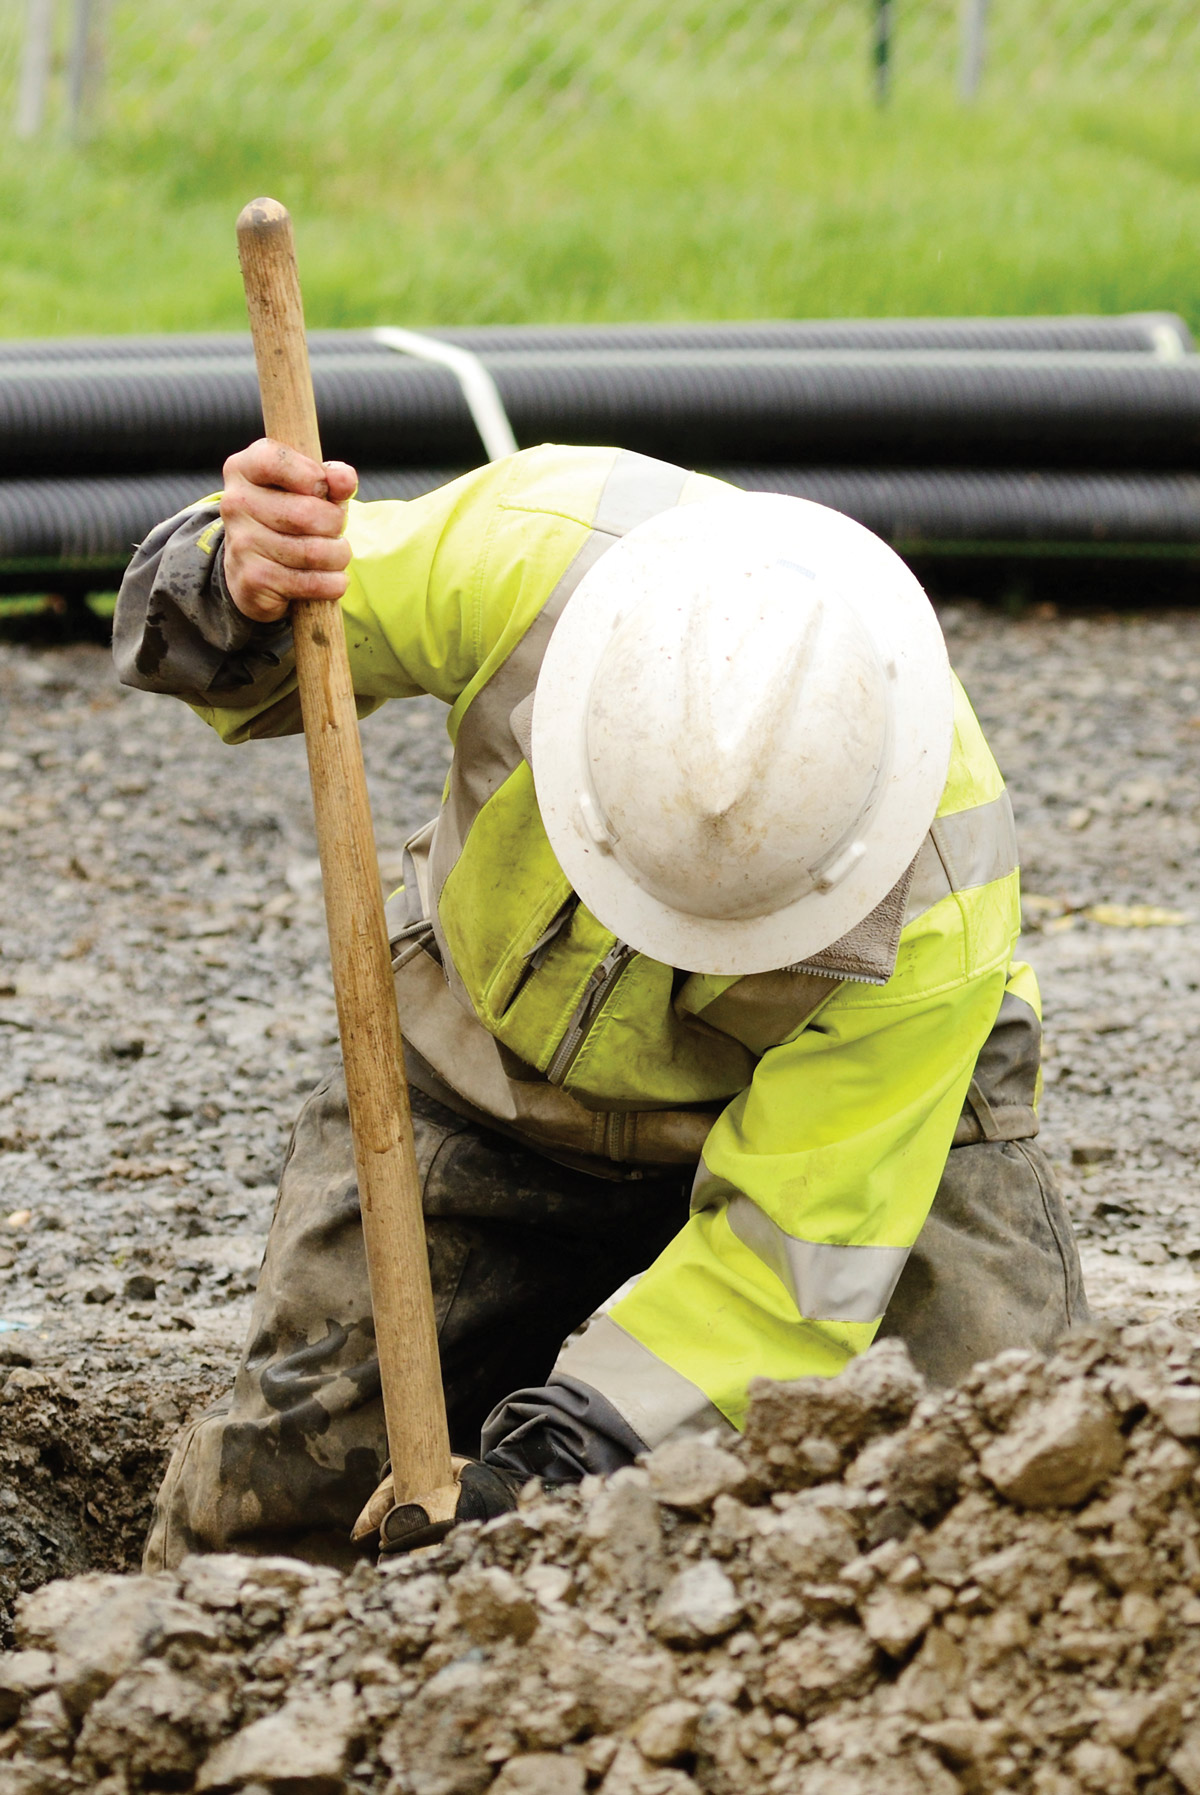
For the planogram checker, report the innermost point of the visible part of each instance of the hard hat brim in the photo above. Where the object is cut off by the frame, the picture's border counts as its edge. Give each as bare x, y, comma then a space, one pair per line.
869, 576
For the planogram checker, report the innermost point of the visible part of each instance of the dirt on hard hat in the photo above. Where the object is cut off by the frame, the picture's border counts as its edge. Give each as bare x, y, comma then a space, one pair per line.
878, 1590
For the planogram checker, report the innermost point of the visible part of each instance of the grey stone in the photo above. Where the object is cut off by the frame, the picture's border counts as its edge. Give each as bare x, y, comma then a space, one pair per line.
22, 1674
303, 1746
541, 1773
667, 1732
820, 1662
698, 1605
154, 1723
1058, 1453
895, 1619
625, 1527
1178, 1408
491, 1605
630, 1774
691, 1473
133, 1621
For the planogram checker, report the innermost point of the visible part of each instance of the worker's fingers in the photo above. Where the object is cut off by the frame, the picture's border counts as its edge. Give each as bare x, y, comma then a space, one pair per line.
341, 479
262, 589
286, 513
319, 554
267, 463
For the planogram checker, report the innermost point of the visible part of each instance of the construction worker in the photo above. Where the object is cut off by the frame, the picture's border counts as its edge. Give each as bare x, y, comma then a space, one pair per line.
704, 969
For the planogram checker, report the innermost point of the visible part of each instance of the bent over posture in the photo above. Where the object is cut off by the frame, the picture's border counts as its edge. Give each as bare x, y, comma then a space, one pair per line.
704, 970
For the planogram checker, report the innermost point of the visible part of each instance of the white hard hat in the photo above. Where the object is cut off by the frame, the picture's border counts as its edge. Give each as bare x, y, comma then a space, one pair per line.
741, 731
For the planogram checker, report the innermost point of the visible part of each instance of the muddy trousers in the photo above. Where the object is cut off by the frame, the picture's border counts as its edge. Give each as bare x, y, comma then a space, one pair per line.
521, 1251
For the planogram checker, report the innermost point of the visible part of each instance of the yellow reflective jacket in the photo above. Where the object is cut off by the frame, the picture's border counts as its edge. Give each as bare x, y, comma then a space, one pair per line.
821, 1101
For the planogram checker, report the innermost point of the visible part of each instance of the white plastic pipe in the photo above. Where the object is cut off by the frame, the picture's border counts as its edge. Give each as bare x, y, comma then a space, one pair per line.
478, 388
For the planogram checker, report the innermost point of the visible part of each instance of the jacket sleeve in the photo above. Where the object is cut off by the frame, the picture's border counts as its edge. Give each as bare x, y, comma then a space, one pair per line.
440, 590
176, 628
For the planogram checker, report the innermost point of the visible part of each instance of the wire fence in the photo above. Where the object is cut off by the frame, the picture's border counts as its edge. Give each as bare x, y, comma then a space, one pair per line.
447, 78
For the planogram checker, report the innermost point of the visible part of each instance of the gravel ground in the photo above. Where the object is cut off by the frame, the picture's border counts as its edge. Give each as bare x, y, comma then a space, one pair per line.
164, 1003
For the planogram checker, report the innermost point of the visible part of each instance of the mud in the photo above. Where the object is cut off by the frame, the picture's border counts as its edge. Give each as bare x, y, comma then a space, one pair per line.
80, 1458
877, 1592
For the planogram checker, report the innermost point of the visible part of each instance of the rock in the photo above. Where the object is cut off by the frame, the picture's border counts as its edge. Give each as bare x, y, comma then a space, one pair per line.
541, 1773
1058, 1453
620, 1687
43, 1614
442, 1738
700, 1604
626, 1530
874, 1394
668, 1731
819, 1663
1145, 1725
630, 1774
1092, 1153
811, 1544
491, 1605
45, 1729
22, 1674
131, 1621
1178, 1408
1184, 1762
690, 1474
303, 1746
140, 1287
154, 1723
25, 1381
215, 1581
894, 1618
1103, 1769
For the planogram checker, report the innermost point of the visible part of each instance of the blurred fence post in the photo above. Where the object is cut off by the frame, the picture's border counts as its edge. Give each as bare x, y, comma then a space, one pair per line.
974, 47
85, 66
881, 50
36, 57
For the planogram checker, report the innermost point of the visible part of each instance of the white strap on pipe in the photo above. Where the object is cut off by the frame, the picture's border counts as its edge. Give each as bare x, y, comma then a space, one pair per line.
478, 388
1167, 343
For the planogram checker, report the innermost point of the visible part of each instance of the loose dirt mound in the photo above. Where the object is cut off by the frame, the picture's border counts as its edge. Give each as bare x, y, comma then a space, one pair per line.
879, 1591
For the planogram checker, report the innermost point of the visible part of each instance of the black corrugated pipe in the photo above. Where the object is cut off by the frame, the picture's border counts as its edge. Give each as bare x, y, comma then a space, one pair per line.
1163, 334
92, 524
776, 406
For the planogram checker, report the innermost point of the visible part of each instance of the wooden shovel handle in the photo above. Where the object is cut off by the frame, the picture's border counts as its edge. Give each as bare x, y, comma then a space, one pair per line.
389, 1188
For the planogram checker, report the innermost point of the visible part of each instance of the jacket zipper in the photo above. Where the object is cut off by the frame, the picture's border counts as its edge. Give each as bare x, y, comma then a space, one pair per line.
599, 985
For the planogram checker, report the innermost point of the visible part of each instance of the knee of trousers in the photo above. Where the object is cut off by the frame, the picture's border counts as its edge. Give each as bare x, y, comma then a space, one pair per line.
234, 1485
996, 1265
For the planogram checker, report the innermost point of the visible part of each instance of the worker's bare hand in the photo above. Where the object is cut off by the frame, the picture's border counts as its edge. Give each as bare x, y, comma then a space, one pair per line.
284, 516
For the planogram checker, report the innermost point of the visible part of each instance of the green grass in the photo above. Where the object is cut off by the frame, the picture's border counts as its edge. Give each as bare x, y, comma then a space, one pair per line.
772, 203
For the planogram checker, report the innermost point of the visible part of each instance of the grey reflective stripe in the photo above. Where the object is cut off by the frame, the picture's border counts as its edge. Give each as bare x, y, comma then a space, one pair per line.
826, 1282
658, 1402
637, 489
487, 752
970, 847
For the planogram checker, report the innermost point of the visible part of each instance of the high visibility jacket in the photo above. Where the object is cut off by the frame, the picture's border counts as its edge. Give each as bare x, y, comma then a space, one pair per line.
820, 1101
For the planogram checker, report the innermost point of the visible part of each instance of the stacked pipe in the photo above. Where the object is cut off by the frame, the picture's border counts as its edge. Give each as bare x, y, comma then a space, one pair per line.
992, 436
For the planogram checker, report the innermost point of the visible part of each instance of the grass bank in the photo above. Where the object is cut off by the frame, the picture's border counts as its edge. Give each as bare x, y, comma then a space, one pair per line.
766, 204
